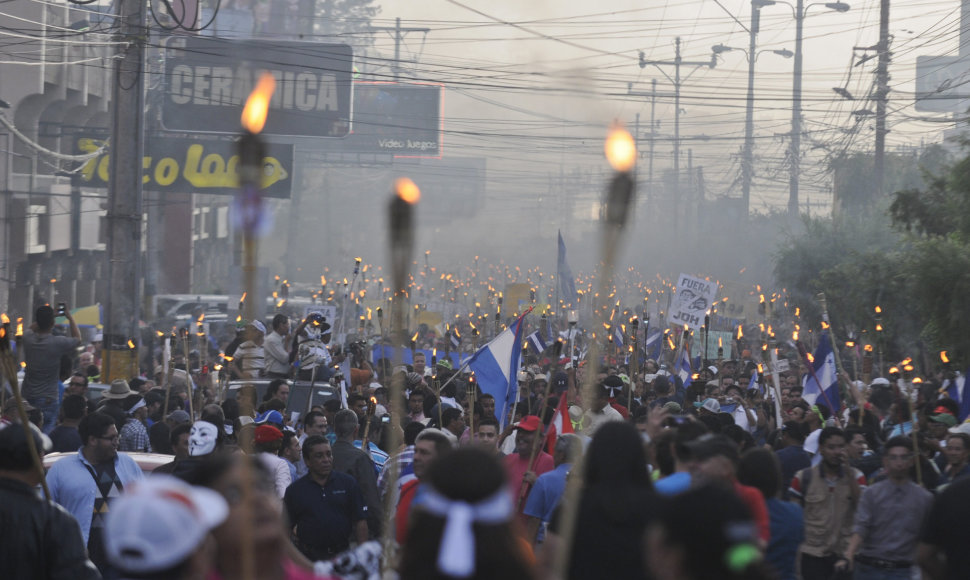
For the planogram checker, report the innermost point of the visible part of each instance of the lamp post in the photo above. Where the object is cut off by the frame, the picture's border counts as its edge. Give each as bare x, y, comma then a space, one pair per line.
747, 157
796, 111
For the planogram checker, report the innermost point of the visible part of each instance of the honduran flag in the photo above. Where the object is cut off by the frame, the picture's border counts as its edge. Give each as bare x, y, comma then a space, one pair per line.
824, 390
559, 425
496, 365
958, 390
684, 368
652, 344
535, 342
618, 335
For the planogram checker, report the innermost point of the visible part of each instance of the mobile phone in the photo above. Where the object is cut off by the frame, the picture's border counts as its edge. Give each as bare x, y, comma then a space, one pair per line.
386, 419
61, 309
679, 419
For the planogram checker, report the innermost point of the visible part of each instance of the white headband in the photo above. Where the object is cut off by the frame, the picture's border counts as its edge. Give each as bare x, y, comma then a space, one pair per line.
456, 554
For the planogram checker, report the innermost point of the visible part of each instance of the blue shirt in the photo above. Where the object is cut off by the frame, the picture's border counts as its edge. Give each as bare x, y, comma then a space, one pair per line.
325, 515
73, 486
673, 484
787, 532
546, 493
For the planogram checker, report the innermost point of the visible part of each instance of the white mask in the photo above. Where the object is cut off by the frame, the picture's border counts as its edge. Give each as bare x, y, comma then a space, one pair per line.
202, 438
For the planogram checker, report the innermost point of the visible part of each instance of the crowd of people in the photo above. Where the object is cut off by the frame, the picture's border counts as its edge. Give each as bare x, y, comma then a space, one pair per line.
611, 468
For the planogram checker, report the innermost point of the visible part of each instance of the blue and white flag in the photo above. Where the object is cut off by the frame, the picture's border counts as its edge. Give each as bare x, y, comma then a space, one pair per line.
958, 390
753, 383
496, 367
455, 338
652, 344
684, 369
536, 342
618, 335
567, 284
828, 393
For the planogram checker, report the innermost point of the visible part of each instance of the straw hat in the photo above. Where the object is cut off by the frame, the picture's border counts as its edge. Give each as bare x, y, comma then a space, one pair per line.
119, 390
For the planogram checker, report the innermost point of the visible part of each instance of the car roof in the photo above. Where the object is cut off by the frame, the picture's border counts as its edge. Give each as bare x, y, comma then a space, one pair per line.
146, 461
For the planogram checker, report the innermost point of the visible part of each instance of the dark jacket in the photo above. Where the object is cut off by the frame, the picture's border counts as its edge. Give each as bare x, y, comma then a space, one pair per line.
357, 464
42, 538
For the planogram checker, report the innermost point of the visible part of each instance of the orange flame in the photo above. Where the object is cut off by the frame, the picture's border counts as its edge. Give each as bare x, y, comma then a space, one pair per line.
407, 190
943, 356
4, 318
257, 105
620, 149
131, 344
878, 310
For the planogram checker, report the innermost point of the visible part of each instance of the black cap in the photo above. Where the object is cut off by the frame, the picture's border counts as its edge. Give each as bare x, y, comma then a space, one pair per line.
14, 453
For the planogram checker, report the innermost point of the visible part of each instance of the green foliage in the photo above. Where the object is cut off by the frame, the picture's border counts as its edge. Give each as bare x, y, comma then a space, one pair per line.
348, 21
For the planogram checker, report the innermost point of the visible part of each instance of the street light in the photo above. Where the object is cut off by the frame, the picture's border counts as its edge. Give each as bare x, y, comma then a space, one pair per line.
799, 11
747, 161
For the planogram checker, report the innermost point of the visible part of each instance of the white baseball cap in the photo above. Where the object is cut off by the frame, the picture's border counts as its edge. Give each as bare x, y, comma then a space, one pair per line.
159, 522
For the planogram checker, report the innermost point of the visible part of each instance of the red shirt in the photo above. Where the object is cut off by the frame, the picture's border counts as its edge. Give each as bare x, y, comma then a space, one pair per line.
408, 491
759, 510
516, 467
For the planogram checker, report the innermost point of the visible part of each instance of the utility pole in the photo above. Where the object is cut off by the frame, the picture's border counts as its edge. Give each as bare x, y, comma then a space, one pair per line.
796, 115
796, 108
676, 63
399, 33
125, 196
882, 96
747, 163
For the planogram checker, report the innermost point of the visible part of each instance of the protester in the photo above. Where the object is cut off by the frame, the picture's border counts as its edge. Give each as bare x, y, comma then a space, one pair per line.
759, 469
253, 539
529, 460
942, 550
430, 445
703, 534
160, 528
42, 354
39, 538
357, 464
957, 452
888, 520
829, 493
462, 523
180, 446
134, 435
599, 410
550, 486
65, 436
87, 483
325, 506
276, 348
616, 506
266, 445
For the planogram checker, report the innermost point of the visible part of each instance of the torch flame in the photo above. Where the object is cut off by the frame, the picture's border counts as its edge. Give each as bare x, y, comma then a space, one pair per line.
415, 337
373, 400
4, 318
323, 280
257, 105
867, 348
620, 149
20, 327
243, 299
131, 344
943, 356
794, 335
407, 190
719, 345
878, 310
740, 332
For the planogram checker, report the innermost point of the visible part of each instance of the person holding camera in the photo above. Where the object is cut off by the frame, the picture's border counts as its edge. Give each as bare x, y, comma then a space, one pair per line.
42, 353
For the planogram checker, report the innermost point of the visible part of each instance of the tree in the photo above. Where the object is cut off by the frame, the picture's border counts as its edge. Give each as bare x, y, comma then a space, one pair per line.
346, 21
936, 220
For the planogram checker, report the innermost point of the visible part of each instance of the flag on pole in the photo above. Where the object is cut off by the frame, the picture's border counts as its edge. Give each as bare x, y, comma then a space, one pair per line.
826, 390
956, 389
652, 344
536, 342
496, 365
618, 335
684, 369
455, 338
560, 424
567, 284
753, 383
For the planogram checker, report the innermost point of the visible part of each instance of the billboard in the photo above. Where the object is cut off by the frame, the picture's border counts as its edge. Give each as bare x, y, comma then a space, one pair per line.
401, 119
189, 165
207, 81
